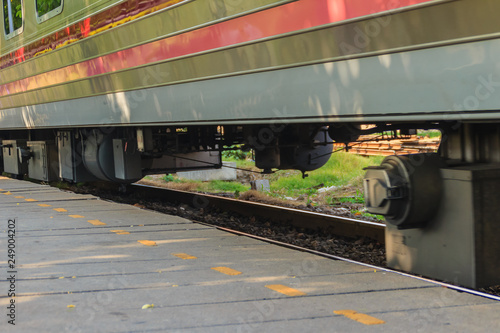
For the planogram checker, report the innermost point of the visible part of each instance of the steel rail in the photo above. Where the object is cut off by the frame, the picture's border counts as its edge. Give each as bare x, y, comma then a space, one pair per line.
329, 224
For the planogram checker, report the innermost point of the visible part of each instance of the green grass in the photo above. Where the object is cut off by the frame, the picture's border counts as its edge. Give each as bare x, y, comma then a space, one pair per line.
378, 217
429, 133
342, 169
226, 186
236, 155
168, 178
243, 164
356, 199
171, 178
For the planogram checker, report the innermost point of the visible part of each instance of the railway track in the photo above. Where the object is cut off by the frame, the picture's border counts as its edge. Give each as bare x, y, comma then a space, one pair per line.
344, 237
329, 224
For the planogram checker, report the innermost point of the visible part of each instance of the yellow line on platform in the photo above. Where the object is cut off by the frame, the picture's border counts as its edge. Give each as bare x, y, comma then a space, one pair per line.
44, 205
226, 270
120, 232
147, 242
360, 317
96, 222
60, 210
285, 290
184, 256
31, 200
76, 216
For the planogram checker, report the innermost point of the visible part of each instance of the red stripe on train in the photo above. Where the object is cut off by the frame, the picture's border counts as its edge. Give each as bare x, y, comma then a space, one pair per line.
291, 17
82, 29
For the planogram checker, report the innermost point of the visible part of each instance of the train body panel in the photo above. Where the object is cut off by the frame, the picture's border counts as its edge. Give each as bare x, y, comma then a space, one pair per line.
274, 73
328, 92
325, 65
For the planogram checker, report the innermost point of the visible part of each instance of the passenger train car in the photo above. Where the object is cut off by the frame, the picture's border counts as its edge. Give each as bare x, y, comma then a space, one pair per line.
118, 89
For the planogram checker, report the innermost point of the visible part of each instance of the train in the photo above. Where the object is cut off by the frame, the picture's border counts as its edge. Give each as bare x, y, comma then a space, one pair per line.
118, 89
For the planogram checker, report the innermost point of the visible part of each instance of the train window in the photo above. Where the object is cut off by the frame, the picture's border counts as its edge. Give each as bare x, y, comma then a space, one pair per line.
12, 17
46, 9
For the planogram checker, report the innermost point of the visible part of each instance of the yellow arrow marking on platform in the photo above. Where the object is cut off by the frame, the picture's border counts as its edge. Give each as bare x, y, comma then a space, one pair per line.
44, 205
60, 210
226, 270
285, 290
76, 216
19, 197
30, 200
96, 222
184, 256
120, 232
360, 317
147, 242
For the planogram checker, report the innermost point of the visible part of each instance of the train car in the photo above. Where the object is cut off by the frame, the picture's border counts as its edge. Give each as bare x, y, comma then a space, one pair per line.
118, 89
139, 87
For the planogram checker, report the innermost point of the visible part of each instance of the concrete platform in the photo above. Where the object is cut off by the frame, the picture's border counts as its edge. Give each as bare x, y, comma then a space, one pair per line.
79, 267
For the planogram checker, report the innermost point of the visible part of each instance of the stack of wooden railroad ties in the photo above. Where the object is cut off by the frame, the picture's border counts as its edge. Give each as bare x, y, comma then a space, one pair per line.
409, 145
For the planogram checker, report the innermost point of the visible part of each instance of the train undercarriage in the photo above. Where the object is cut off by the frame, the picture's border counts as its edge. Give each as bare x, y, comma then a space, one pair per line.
127, 154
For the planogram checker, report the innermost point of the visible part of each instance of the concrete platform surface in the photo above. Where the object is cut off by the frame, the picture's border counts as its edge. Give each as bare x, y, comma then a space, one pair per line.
79, 264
